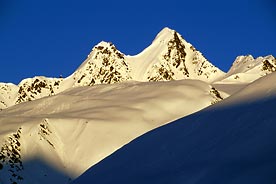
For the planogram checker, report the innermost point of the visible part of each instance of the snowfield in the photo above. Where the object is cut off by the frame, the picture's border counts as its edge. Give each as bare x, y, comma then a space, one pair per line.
69, 132
231, 142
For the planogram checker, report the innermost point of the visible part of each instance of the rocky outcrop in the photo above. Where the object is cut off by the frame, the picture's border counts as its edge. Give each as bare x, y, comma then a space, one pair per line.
10, 158
37, 87
104, 65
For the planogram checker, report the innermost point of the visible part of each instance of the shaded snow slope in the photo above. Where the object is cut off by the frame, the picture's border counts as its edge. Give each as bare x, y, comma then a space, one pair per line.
231, 142
55, 139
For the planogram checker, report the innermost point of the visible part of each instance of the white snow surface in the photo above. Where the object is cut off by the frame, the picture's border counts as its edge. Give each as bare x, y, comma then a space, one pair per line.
55, 139
231, 142
246, 69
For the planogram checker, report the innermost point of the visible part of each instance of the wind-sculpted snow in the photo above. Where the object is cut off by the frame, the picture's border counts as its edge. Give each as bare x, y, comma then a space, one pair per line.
231, 142
65, 134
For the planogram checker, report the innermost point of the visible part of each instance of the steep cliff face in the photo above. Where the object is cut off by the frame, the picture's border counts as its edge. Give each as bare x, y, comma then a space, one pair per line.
104, 65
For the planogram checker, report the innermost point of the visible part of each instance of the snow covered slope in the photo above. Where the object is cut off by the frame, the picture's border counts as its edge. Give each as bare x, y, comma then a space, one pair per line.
246, 69
8, 94
54, 139
231, 142
169, 57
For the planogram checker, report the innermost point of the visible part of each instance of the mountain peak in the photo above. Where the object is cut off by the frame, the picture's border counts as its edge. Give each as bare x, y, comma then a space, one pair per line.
166, 31
164, 35
104, 44
104, 65
171, 57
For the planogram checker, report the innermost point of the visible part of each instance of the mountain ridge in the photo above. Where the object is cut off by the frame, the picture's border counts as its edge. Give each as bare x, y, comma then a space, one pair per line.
169, 57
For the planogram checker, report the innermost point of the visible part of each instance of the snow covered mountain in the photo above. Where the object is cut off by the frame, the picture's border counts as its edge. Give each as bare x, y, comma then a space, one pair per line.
37, 87
53, 129
169, 57
104, 65
246, 69
230, 142
55, 139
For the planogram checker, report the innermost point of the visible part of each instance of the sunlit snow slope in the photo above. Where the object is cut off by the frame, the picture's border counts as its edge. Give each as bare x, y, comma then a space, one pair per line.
246, 69
231, 142
54, 139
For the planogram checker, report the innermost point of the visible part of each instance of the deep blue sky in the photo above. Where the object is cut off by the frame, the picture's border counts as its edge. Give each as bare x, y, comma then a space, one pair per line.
54, 37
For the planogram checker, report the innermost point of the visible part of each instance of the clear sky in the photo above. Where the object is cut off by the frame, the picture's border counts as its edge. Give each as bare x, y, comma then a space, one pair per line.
53, 37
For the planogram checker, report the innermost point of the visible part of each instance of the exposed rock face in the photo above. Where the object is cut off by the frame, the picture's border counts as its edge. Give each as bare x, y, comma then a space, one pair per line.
10, 158
173, 62
37, 87
216, 95
104, 65
269, 65
180, 60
